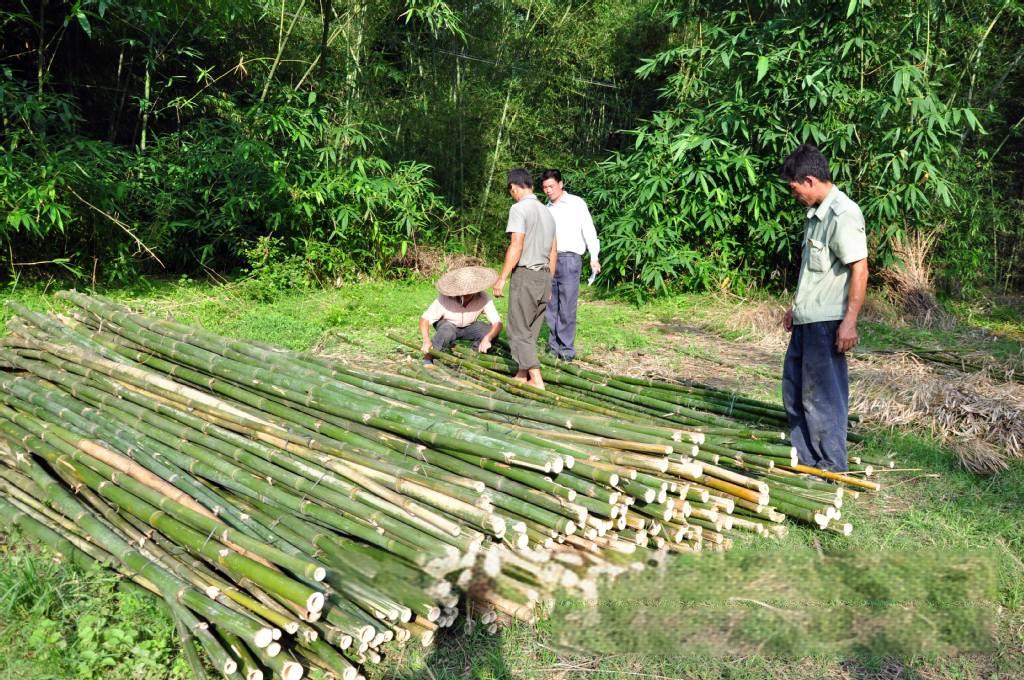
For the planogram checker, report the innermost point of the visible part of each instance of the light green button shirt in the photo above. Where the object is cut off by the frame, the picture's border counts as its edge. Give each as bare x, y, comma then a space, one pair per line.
833, 239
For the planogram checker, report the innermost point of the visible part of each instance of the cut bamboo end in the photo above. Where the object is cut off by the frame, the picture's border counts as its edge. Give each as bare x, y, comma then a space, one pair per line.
315, 602
263, 638
496, 525
291, 670
273, 649
845, 528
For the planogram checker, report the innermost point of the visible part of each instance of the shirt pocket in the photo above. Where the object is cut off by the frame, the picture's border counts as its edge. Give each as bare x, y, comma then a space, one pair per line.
818, 257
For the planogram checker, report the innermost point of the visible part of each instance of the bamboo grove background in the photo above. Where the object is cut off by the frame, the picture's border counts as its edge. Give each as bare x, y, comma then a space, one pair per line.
313, 141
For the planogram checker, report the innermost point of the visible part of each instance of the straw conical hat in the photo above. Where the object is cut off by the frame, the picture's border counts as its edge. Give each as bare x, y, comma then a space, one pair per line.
466, 281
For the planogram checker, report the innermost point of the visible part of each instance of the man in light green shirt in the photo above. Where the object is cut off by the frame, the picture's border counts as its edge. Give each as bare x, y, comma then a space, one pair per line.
823, 320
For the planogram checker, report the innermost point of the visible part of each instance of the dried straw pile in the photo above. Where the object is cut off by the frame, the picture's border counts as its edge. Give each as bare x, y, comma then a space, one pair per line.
982, 420
432, 262
910, 283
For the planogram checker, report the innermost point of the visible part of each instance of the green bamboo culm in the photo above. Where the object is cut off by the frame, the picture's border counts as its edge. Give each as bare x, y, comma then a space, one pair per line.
295, 512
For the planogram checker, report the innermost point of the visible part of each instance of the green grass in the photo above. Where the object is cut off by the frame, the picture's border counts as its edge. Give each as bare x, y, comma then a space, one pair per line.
932, 533
59, 621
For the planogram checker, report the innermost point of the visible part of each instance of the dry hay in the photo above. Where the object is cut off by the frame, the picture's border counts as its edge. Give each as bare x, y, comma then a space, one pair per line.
982, 421
758, 322
432, 262
910, 284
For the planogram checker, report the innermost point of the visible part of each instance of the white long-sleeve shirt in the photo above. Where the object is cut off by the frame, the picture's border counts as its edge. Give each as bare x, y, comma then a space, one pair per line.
574, 228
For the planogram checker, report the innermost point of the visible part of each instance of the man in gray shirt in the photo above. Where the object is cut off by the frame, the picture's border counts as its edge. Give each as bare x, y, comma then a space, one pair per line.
823, 320
530, 260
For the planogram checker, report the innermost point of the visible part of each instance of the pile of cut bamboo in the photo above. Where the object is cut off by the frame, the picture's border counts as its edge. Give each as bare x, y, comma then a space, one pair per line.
298, 512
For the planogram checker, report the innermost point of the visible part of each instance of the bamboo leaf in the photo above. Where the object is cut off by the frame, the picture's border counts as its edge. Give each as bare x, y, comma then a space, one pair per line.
762, 67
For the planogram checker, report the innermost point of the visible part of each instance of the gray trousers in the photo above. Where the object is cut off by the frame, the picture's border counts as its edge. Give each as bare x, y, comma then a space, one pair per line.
561, 312
447, 333
527, 298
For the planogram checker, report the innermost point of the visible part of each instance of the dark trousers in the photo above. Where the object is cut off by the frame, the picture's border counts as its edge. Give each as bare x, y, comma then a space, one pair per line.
816, 393
447, 333
561, 311
527, 298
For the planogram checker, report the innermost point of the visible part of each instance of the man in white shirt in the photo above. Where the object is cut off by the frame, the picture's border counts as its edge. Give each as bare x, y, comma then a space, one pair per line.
455, 312
574, 233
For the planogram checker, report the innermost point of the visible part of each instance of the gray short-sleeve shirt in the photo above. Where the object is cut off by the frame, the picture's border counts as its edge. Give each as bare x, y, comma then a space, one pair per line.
529, 216
833, 239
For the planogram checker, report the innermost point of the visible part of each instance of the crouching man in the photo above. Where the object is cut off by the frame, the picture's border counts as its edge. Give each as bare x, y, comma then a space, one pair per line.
455, 313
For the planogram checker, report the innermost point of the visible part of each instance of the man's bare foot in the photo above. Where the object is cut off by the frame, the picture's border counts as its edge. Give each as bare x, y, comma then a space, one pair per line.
538, 384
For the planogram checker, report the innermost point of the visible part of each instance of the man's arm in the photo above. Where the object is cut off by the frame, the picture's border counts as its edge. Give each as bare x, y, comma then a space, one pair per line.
512, 255
846, 336
590, 237
553, 257
425, 332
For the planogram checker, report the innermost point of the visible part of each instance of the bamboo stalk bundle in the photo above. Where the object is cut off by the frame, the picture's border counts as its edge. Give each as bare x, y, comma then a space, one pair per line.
296, 512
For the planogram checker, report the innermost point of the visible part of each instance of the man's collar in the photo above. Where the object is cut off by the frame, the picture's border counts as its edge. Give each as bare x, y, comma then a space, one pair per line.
822, 208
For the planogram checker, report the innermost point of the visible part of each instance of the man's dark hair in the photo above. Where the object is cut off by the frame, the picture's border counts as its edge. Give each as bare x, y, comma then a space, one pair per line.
551, 174
805, 162
520, 177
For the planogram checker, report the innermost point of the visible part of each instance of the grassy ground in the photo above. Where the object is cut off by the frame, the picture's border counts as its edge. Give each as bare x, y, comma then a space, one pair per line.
930, 585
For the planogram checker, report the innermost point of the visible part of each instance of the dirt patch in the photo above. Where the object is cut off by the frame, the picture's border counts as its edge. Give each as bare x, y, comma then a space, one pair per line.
688, 352
978, 417
705, 371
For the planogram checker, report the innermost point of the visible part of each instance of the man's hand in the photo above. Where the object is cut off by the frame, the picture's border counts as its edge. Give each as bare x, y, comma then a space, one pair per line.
485, 345
787, 321
595, 266
846, 336
426, 347
499, 287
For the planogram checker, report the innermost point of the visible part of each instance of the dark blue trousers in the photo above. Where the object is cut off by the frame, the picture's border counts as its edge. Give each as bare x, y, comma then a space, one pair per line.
816, 393
561, 311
